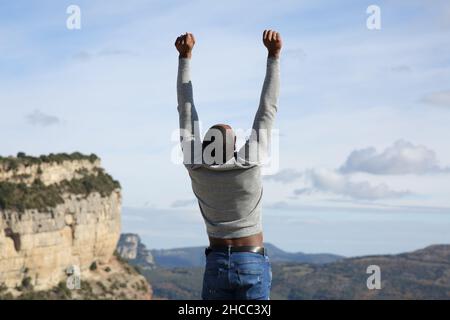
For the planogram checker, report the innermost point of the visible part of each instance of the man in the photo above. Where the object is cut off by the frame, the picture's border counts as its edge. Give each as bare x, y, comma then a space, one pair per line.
228, 184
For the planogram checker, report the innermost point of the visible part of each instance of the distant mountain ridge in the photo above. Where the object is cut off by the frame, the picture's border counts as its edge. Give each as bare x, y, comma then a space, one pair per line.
195, 256
421, 274
131, 248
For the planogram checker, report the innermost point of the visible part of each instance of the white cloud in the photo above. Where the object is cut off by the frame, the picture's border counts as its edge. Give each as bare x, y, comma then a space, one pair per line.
303, 191
183, 203
439, 98
401, 68
402, 157
39, 118
83, 56
331, 181
284, 176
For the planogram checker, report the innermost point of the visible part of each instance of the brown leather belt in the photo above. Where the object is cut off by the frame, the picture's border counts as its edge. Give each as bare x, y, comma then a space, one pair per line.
231, 249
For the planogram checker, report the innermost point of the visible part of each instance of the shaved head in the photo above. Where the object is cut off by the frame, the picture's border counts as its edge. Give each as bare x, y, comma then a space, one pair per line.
219, 144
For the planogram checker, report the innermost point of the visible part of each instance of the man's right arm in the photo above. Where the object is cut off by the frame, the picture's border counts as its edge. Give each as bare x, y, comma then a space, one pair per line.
186, 109
189, 122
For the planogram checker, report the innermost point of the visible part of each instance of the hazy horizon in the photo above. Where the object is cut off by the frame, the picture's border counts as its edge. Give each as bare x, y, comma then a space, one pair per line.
315, 230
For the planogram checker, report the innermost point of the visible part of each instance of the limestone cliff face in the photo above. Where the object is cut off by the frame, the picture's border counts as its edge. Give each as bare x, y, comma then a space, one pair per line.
42, 245
77, 222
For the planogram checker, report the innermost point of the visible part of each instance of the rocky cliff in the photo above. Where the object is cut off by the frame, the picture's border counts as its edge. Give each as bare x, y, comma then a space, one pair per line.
135, 252
57, 213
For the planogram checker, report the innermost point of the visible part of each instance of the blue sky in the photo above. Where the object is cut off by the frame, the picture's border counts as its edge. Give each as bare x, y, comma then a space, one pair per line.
363, 117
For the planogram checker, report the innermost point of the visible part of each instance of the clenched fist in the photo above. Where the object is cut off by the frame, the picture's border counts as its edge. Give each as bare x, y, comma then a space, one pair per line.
184, 45
272, 41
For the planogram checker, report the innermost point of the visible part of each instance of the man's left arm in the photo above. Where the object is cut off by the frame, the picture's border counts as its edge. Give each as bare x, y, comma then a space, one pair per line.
255, 150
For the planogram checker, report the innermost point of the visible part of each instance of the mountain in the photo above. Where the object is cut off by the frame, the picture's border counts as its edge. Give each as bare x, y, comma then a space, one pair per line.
195, 256
278, 255
422, 274
60, 217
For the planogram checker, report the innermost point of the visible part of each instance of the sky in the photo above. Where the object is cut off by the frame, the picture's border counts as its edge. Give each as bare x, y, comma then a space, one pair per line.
364, 157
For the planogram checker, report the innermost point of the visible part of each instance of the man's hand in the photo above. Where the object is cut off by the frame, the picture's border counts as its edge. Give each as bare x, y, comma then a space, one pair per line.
184, 45
272, 41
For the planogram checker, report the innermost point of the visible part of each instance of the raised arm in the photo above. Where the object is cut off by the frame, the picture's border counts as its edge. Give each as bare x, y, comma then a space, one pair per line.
256, 148
189, 126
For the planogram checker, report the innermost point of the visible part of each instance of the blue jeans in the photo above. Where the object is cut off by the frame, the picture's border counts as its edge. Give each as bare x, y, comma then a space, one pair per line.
237, 276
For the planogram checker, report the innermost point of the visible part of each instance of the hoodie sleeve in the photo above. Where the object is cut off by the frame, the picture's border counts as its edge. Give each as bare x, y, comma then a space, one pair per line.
256, 148
188, 118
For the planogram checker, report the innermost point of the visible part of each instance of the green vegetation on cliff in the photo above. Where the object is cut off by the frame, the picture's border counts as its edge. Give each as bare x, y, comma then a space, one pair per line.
12, 163
20, 197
